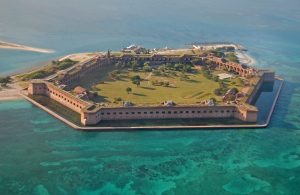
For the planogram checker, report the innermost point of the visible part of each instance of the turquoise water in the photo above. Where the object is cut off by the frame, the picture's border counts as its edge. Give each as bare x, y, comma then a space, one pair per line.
41, 155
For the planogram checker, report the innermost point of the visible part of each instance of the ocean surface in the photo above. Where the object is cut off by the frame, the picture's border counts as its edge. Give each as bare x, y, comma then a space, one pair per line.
41, 155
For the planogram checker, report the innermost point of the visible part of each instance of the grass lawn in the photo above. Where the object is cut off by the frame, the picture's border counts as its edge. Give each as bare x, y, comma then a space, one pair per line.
193, 90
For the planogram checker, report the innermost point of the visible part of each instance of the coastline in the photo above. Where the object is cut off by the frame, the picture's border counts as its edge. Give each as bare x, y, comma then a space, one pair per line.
245, 58
11, 92
240, 51
10, 98
15, 46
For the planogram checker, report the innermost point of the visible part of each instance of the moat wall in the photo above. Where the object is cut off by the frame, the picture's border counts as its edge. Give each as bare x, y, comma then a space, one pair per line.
266, 77
124, 113
59, 95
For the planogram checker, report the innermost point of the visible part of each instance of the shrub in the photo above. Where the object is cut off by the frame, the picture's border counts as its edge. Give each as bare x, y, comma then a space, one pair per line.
218, 91
118, 99
166, 84
66, 63
5, 80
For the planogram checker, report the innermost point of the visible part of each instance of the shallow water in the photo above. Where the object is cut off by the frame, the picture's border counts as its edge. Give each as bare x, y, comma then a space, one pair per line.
41, 155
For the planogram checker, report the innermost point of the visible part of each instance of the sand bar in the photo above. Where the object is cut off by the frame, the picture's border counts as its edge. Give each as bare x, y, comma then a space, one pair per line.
11, 92
15, 46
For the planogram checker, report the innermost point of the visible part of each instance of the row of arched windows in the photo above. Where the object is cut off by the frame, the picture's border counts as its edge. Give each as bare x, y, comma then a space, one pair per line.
165, 112
63, 97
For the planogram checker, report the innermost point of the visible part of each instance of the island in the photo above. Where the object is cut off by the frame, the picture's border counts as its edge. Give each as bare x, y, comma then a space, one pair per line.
137, 86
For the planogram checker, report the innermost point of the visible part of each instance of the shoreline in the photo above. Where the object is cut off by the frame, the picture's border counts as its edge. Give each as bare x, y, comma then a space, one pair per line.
240, 51
208, 46
245, 58
11, 92
42, 64
15, 46
11, 98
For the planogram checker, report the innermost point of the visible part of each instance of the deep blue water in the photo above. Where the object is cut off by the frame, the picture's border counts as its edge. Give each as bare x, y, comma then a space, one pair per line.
40, 155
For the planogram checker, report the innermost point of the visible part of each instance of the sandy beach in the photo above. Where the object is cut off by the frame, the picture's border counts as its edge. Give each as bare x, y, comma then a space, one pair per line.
243, 57
11, 92
15, 46
80, 56
216, 45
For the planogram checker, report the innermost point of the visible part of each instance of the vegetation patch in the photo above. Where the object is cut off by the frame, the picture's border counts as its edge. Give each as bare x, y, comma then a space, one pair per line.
4, 81
48, 70
232, 57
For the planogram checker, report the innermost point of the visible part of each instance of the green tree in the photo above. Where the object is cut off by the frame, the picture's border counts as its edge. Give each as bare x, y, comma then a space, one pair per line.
178, 67
196, 61
5, 80
128, 90
213, 99
187, 67
136, 80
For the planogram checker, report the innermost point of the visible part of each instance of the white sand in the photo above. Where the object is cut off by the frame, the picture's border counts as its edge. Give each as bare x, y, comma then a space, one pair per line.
79, 56
10, 93
215, 46
243, 57
14, 46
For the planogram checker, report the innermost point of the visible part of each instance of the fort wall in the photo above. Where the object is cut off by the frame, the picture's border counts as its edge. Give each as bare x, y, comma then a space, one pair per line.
57, 94
266, 76
159, 112
95, 115
81, 70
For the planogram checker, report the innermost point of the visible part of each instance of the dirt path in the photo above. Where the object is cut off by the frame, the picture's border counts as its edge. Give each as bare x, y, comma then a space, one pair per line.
148, 77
